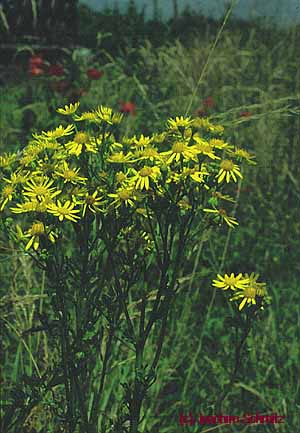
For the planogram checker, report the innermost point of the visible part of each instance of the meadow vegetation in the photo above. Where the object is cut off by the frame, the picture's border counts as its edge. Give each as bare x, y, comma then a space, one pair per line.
244, 77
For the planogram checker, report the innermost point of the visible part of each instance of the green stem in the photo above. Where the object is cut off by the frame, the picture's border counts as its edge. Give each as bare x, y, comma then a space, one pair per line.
237, 363
139, 389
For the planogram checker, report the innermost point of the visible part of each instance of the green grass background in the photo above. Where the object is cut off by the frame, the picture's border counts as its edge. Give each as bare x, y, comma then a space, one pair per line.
253, 69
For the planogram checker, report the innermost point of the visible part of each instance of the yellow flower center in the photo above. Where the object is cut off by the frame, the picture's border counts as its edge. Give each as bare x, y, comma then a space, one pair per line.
178, 147
150, 152
105, 117
103, 174
227, 165
125, 194
40, 190
118, 157
37, 229
120, 177
63, 211
7, 191
145, 171
250, 292
230, 281
204, 147
32, 150
90, 200
222, 212
69, 174
81, 138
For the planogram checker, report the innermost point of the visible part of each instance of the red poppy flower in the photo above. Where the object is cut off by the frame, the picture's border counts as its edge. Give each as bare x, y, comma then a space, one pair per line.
209, 102
245, 114
35, 71
201, 112
128, 107
94, 74
56, 70
36, 61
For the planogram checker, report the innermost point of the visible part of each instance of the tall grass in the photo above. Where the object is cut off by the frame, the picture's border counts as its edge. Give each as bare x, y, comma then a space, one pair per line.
244, 74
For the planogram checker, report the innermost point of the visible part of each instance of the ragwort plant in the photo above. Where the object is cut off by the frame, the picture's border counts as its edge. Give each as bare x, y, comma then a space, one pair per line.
108, 218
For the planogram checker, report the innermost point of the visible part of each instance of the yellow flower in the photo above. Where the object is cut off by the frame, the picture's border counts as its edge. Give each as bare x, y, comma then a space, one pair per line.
27, 206
248, 294
128, 141
226, 197
180, 150
81, 137
18, 177
69, 109
251, 294
7, 159
198, 176
159, 138
65, 210
117, 118
38, 190
143, 177
105, 114
91, 202
87, 115
81, 142
6, 196
179, 122
204, 123
143, 141
228, 169
59, 132
218, 143
121, 178
33, 149
36, 231
230, 221
231, 282
70, 175
27, 160
120, 158
123, 196
50, 145
204, 147
260, 287
243, 154
150, 153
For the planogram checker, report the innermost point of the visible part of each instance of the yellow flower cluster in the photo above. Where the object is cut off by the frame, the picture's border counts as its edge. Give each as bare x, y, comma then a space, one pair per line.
246, 288
84, 169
